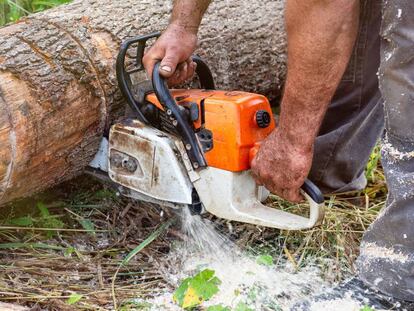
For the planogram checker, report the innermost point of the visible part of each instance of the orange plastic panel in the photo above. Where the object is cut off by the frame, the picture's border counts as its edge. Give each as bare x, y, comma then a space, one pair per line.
231, 118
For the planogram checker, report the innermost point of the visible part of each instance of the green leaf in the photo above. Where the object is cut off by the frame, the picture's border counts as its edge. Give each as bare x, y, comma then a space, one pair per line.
180, 292
48, 3
218, 308
44, 211
242, 307
46, 220
265, 260
252, 294
12, 10
88, 225
25, 221
206, 284
74, 298
372, 164
193, 291
69, 251
366, 308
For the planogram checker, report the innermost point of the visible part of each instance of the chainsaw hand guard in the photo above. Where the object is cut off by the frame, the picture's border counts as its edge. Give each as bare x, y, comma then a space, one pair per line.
124, 72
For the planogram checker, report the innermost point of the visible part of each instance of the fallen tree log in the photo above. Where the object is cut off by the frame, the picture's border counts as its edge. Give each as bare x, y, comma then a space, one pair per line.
58, 91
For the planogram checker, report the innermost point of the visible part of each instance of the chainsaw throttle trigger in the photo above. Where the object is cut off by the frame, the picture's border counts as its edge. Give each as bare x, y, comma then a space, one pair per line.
186, 132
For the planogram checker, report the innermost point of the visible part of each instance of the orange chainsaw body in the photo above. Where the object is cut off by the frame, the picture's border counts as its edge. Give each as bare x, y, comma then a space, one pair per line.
231, 116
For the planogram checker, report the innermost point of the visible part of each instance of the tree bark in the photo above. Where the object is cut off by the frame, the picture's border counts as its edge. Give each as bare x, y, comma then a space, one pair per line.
58, 91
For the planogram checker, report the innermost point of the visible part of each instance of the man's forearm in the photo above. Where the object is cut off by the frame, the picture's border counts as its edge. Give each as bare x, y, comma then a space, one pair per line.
188, 13
321, 35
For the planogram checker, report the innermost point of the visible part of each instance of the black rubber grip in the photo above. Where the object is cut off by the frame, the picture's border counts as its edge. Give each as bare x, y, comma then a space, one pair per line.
204, 73
187, 134
313, 191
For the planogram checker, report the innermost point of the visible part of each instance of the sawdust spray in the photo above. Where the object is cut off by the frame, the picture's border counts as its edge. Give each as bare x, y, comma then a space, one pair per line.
243, 279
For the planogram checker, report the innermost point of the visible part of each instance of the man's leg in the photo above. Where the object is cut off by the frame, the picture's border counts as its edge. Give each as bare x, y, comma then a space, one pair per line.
354, 121
387, 251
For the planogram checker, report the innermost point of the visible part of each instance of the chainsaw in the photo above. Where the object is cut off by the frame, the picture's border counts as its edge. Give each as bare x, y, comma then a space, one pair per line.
192, 148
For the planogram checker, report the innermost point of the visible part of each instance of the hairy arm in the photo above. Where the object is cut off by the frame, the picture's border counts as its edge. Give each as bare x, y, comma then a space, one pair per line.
178, 42
187, 14
321, 35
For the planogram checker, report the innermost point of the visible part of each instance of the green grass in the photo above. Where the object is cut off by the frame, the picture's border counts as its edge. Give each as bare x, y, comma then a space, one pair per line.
13, 10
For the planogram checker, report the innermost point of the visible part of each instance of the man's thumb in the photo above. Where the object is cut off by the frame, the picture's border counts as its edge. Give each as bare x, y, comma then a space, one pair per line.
168, 64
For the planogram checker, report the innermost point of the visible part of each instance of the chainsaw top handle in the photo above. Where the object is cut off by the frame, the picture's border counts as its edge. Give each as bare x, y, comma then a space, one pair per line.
124, 74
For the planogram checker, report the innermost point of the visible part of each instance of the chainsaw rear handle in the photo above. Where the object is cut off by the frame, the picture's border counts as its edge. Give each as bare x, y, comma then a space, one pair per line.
308, 187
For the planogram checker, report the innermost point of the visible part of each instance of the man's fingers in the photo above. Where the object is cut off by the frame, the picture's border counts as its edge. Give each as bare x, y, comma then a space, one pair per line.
255, 173
182, 72
150, 65
292, 195
176, 78
169, 63
185, 71
256, 178
191, 69
170, 67
149, 60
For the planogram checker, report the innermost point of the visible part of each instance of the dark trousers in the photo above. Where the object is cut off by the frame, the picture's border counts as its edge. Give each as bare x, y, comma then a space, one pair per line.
354, 122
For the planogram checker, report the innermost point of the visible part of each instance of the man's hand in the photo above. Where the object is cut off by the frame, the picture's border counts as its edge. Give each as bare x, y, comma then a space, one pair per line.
176, 45
281, 166
174, 49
